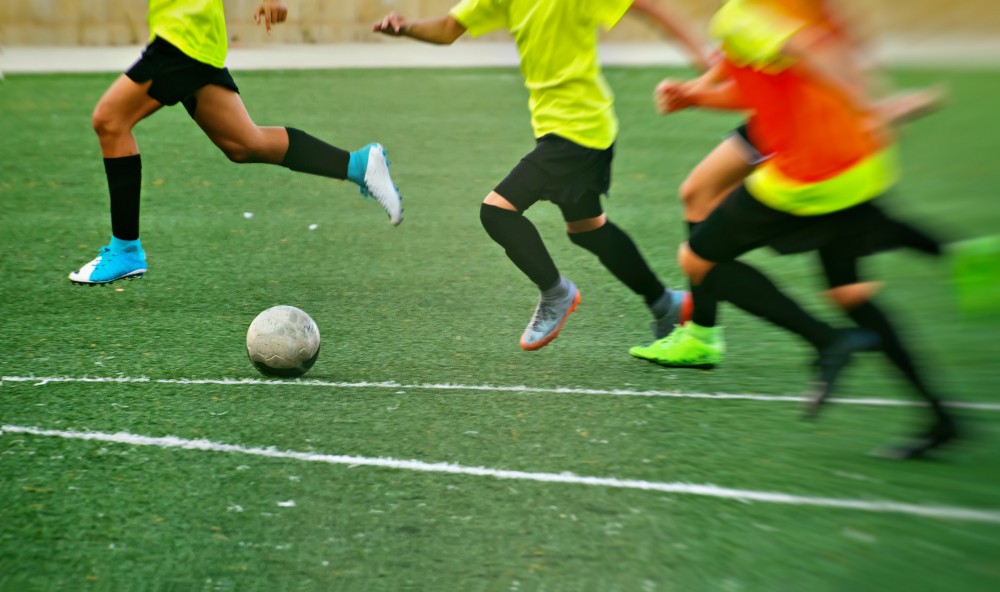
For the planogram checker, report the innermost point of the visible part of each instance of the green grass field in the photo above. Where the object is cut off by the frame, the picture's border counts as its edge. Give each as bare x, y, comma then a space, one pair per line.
425, 450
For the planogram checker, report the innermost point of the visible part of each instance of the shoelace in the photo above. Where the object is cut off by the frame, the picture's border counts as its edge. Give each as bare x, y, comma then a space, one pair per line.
543, 313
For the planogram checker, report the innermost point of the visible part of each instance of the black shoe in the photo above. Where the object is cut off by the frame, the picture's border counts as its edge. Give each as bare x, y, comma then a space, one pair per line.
832, 361
942, 432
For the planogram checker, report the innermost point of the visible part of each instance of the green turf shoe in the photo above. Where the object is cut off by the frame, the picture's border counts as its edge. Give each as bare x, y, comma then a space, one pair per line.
689, 346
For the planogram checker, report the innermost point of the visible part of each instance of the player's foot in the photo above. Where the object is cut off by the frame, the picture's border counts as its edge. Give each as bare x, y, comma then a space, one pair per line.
944, 431
688, 346
119, 260
369, 168
672, 309
553, 309
832, 361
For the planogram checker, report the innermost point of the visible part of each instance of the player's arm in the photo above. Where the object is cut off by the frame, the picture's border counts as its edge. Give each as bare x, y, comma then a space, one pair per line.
909, 106
675, 27
725, 96
712, 90
442, 30
270, 12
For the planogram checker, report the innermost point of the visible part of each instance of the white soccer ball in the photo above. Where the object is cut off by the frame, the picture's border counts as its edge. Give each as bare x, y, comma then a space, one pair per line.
283, 341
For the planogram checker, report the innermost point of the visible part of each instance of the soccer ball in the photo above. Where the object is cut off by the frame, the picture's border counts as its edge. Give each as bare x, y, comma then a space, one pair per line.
283, 341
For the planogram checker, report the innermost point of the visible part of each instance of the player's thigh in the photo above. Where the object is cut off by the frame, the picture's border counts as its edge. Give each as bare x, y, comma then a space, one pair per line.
124, 104
221, 114
714, 178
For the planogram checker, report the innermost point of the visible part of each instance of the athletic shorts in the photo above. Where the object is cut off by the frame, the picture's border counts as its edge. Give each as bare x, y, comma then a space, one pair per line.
751, 154
176, 76
563, 172
741, 224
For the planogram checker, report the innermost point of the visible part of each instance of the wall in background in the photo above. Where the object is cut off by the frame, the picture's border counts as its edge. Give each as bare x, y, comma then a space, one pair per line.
123, 22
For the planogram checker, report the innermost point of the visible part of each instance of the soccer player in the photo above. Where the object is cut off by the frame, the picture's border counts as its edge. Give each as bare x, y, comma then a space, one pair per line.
184, 63
699, 343
574, 122
831, 157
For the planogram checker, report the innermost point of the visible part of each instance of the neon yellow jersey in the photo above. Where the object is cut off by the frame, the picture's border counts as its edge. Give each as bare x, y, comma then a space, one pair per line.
196, 27
870, 178
557, 42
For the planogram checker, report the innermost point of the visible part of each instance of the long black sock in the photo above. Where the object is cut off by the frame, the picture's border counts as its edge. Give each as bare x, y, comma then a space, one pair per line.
524, 246
307, 154
870, 316
618, 253
706, 305
124, 184
908, 235
752, 291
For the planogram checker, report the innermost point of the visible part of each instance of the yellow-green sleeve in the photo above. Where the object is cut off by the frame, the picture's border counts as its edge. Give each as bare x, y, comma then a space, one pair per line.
609, 12
479, 17
752, 35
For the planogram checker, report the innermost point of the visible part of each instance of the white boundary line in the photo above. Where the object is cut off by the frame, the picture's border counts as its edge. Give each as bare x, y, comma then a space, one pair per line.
703, 490
45, 380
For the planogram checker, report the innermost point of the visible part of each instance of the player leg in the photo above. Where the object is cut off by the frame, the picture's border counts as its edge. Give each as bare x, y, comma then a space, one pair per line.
856, 299
505, 223
740, 225
122, 106
699, 343
588, 227
219, 111
714, 178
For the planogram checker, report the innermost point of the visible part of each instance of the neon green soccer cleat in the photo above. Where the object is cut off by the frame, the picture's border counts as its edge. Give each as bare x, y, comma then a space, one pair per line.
689, 346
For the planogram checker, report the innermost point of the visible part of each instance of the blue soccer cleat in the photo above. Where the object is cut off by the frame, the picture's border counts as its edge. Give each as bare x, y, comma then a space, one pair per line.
117, 261
369, 168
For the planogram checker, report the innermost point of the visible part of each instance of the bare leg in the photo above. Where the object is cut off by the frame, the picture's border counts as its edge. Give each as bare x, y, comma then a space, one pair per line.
123, 105
714, 178
224, 119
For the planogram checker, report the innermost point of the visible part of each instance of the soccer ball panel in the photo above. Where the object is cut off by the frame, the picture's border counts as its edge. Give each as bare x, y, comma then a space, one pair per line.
283, 341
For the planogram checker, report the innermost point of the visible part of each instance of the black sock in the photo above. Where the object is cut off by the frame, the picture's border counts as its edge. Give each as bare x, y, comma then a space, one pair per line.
618, 253
752, 291
705, 304
870, 316
917, 239
524, 246
124, 184
307, 154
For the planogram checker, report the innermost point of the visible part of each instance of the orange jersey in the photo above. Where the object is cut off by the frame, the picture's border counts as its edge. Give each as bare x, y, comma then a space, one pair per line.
811, 129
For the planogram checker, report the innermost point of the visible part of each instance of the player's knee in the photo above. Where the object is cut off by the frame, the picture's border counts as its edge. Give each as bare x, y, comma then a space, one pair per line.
106, 125
491, 216
237, 152
586, 226
852, 296
689, 192
693, 266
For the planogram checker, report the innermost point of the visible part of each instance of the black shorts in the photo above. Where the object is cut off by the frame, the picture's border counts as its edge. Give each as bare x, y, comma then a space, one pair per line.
563, 172
741, 224
176, 76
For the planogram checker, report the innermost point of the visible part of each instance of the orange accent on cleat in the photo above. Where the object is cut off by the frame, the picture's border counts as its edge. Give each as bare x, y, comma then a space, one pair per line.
687, 308
548, 340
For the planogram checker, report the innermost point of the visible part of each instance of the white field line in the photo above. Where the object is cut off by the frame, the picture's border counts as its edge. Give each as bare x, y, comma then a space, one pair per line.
703, 490
42, 381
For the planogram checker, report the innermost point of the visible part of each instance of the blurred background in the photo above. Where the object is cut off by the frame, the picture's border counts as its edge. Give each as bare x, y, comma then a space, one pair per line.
123, 22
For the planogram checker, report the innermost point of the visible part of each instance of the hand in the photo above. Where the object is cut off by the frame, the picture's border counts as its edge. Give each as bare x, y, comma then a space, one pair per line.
270, 11
393, 25
908, 106
670, 96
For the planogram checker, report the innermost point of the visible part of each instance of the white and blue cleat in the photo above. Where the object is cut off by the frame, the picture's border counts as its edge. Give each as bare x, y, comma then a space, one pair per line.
118, 261
369, 168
